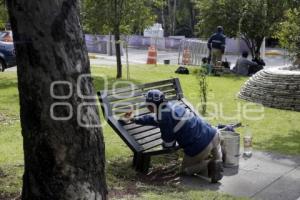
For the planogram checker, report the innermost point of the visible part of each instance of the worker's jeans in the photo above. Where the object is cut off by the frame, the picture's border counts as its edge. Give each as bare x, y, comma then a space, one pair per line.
216, 55
198, 163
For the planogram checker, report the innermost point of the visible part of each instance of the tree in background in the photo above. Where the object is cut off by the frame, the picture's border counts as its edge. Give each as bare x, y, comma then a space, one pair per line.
117, 17
63, 160
288, 33
251, 20
185, 18
3, 15
176, 16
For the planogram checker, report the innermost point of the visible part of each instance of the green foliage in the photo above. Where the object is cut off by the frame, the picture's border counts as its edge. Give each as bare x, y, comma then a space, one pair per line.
252, 20
116, 17
277, 131
289, 30
104, 16
176, 16
185, 18
3, 15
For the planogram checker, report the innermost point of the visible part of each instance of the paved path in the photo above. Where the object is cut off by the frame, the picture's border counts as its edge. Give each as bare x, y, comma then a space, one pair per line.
264, 176
139, 56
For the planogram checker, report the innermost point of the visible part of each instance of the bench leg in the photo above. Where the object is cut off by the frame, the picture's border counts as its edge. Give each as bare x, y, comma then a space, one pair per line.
134, 160
141, 162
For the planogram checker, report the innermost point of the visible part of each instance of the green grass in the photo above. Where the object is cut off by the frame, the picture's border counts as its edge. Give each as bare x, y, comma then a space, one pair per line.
278, 131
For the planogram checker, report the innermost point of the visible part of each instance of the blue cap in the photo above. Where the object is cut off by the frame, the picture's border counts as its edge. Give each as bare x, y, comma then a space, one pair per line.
220, 29
155, 96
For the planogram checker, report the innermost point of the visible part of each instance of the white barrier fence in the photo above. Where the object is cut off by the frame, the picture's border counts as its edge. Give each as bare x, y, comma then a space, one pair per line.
197, 49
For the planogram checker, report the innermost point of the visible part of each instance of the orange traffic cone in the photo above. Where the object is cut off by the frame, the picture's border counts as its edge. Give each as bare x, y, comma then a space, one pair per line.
186, 59
152, 55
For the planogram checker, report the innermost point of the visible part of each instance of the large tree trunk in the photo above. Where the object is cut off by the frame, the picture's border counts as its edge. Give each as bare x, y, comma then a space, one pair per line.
63, 158
118, 52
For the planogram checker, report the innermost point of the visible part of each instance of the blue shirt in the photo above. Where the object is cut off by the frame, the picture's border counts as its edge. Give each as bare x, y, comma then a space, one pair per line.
179, 124
217, 41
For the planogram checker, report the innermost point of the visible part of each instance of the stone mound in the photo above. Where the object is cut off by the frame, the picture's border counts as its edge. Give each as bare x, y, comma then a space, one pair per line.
276, 88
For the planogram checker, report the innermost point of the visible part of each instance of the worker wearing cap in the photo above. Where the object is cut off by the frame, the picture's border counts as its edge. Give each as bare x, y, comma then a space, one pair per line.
198, 139
216, 45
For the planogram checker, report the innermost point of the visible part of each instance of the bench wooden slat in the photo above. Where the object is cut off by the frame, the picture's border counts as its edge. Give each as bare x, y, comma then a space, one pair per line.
138, 106
152, 145
133, 108
164, 88
139, 93
150, 139
128, 139
138, 99
147, 134
137, 87
125, 96
141, 129
158, 84
117, 105
130, 126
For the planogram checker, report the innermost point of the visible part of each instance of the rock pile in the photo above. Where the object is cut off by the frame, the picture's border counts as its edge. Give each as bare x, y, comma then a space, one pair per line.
276, 88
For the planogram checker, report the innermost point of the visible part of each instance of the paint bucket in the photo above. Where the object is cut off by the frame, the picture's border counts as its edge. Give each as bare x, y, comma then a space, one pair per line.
230, 143
166, 62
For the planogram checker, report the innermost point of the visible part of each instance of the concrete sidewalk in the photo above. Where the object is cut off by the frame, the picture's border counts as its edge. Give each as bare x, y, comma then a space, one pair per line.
139, 56
263, 176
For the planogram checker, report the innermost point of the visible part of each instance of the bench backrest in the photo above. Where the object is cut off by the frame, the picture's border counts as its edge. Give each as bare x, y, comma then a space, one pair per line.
115, 103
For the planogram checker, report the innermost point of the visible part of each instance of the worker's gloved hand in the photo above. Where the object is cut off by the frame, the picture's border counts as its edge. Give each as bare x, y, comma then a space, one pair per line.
127, 118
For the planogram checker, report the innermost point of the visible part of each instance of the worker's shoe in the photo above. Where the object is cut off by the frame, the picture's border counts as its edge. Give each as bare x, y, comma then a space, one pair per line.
215, 171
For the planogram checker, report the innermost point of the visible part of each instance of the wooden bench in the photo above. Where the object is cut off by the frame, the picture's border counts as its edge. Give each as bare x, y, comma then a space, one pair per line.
144, 141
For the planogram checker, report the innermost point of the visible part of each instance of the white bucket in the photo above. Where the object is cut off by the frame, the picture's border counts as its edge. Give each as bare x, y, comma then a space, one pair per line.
230, 143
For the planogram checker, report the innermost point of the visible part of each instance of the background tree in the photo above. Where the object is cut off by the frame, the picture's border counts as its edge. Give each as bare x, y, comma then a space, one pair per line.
118, 17
3, 15
62, 159
177, 17
251, 20
288, 33
185, 18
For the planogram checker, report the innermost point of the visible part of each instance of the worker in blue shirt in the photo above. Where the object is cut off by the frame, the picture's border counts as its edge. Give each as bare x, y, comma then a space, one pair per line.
199, 140
216, 45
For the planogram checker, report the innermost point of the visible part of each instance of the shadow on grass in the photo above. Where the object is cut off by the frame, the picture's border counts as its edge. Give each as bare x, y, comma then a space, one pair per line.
124, 180
163, 178
10, 181
290, 143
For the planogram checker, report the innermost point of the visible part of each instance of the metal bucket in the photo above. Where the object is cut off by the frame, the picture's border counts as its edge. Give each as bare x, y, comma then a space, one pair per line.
166, 62
230, 143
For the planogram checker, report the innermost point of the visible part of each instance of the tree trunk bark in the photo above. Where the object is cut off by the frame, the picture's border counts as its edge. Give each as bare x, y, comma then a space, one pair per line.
174, 18
169, 19
118, 52
250, 45
193, 19
64, 159
259, 41
163, 19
